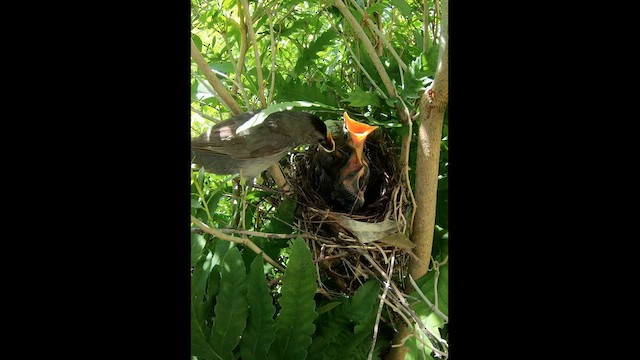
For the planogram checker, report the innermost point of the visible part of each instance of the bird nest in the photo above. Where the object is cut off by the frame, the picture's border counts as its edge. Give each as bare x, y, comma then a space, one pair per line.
349, 248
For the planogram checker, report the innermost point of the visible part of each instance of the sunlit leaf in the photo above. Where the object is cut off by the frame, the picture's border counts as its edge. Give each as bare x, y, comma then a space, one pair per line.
294, 324
363, 98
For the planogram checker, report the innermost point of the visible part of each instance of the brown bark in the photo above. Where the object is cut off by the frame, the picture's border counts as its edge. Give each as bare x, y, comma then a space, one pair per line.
432, 108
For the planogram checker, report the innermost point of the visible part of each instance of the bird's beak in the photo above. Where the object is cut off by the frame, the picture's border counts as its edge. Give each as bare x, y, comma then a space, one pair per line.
330, 142
358, 132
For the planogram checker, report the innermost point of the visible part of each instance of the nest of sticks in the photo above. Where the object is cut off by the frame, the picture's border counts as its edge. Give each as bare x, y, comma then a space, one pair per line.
349, 248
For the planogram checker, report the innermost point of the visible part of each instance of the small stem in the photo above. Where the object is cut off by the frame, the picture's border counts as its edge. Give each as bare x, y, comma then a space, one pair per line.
256, 52
384, 96
213, 80
381, 36
261, 234
201, 195
274, 48
246, 242
426, 300
206, 85
368, 47
244, 46
425, 27
208, 117
381, 304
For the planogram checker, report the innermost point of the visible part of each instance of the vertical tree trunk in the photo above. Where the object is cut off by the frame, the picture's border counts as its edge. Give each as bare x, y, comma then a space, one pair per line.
432, 107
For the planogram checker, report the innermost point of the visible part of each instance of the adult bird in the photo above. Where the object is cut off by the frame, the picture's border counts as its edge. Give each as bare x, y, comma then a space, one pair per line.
341, 177
245, 145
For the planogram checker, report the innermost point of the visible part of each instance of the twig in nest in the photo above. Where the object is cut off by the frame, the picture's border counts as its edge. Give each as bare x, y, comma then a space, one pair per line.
384, 295
244, 241
261, 234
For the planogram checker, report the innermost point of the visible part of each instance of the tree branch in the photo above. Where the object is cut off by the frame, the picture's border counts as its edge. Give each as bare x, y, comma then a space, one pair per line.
246, 242
256, 52
368, 47
213, 80
432, 108
424, 298
425, 27
244, 46
381, 36
272, 70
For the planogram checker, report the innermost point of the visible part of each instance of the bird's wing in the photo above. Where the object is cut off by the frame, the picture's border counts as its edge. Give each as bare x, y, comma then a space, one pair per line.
222, 140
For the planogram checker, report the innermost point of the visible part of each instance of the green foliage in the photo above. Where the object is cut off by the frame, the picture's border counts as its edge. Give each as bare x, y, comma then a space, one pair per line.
259, 333
204, 287
322, 67
435, 286
346, 330
360, 98
231, 308
294, 324
310, 53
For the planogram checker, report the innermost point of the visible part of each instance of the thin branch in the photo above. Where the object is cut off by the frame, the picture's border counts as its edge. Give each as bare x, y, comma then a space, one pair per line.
207, 86
381, 36
435, 22
256, 52
261, 234
426, 300
355, 58
246, 242
201, 195
273, 56
379, 25
213, 80
208, 117
237, 80
403, 114
368, 47
425, 27
384, 295
244, 46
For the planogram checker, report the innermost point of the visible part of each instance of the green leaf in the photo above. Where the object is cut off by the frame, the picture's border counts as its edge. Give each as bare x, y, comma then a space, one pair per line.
433, 321
310, 53
348, 326
225, 67
364, 304
362, 311
199, 345
415, 78
196, 40
260, 331
231, 306
294, 324
196, 204
214, 199
404, 8
331, 326
294, 90
323, 309
427, 285
300, 24
200, 178
202, 275
197, 244
363, 98
379, 8
199, 278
